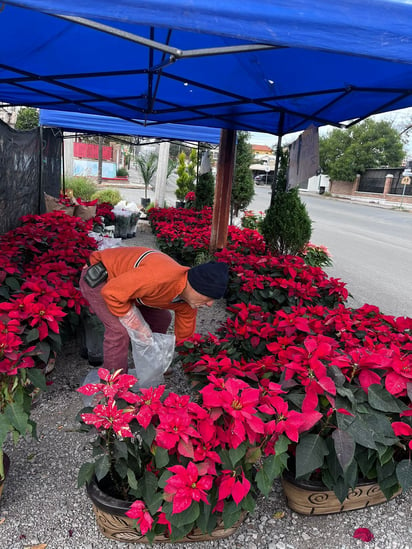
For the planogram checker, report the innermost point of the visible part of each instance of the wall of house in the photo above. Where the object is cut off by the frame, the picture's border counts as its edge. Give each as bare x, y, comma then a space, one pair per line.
341, 187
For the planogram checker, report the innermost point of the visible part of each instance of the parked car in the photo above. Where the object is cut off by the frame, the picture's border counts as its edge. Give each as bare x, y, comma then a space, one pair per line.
262, 179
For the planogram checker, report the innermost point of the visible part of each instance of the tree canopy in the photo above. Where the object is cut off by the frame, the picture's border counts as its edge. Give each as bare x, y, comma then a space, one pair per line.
27, 118
370, 144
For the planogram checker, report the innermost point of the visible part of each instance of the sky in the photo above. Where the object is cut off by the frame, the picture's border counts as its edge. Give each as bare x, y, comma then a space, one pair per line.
400, 119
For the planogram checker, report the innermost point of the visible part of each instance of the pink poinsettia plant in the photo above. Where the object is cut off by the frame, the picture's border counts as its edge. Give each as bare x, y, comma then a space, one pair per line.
182, 463
40, 263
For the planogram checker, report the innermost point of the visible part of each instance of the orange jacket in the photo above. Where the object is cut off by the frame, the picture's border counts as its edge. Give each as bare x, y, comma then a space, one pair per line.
156, 282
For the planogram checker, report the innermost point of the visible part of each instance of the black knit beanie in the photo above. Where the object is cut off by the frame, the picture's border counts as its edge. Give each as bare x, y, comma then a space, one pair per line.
209, 279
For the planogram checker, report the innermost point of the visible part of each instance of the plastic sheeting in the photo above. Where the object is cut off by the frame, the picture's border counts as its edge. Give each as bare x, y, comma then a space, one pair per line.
284, 65
25, 172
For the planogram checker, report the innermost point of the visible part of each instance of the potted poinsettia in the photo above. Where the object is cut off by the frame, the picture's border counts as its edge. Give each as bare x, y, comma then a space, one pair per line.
37, 295
177, 467
288, 323
348, 372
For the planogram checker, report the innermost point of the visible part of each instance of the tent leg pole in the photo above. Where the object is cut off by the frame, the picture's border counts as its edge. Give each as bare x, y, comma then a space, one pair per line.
223, 190
278, 151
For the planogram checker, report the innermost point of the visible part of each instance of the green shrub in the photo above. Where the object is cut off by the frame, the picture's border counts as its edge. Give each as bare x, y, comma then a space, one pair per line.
112, 196
287, 226
205, 191
82, 187
122, 172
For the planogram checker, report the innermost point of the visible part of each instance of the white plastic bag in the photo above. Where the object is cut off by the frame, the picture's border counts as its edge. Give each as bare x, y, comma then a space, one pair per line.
153, 359
92, 377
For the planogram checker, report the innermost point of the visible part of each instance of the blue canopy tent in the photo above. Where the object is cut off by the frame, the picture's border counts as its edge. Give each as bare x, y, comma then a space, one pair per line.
275, 67
270, 66
109, 125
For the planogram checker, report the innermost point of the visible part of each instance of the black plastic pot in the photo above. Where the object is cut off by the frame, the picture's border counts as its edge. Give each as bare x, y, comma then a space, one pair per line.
105, 502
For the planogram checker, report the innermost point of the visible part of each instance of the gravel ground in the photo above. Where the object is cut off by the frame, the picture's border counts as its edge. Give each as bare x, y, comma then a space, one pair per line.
41, 505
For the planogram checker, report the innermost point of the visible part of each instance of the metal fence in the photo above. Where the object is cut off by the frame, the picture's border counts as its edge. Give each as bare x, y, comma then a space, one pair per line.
373, 181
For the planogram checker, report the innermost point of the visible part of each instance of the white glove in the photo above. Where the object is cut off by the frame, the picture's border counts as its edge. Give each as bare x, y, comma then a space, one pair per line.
137, 327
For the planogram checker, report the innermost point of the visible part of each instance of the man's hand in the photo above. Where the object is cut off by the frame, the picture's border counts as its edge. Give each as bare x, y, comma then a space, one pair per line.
134, 321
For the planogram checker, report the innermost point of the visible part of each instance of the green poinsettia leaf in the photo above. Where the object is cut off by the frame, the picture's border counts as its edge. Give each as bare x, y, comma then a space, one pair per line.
148, 434
341, 489
188, 516
310, 453
148, 485
86, 473
102, 467
351, 475
272, 468
16, 416
161, 457
231, 514
37, 378
163, 478
55, 338
253, 455
379, 424
120, 466
4, 292
358, 428
32, 335
43, 351
154, 503
4, 429
248, 503
336, 374
236, 454
131, 479
13, 283
404, 474
347, 393
380, 399
120, 449
178, 533
206, 521
344, 447
282, 445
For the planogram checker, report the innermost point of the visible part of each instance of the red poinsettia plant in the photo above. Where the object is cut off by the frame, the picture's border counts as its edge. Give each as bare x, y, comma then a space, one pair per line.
350, 369
345, 387
40, 263
182, 463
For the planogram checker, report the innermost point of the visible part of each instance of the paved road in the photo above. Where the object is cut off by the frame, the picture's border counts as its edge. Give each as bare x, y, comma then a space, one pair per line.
371, 246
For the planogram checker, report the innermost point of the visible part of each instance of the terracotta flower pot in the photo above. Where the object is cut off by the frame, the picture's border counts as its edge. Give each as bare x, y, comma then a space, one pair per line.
114, 524
313, 498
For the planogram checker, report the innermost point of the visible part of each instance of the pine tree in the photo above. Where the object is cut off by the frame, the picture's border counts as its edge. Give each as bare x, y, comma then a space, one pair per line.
243, 186
205, 191
287, 226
